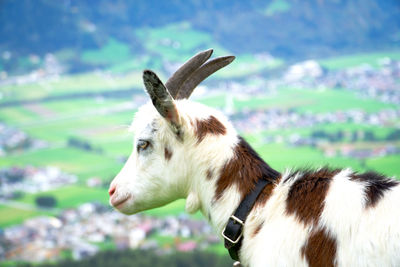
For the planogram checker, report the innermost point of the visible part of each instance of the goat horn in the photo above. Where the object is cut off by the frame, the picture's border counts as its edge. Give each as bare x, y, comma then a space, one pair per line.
201, 74
178, 78
161, 98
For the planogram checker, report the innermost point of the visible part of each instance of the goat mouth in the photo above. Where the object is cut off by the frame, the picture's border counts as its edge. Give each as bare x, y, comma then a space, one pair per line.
118, 202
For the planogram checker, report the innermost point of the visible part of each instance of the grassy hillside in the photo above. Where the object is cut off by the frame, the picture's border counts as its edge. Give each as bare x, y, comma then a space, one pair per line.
372, 59
106, 34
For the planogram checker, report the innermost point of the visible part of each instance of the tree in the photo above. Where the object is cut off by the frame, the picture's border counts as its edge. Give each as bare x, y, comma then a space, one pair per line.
46, 201
354, 136
394, 135
369, 136
339, 135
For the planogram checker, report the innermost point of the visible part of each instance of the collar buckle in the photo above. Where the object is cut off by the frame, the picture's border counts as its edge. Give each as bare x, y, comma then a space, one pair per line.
238, 221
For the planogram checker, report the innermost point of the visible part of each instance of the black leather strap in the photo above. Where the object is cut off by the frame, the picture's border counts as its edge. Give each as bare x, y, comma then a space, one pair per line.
234, 229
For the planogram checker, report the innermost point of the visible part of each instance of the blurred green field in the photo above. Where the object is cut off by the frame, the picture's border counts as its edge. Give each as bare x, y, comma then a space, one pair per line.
70, 160
388, 165
372, 59
17, 116
246, 64
72, 84
177, 41
71, 196
10, 215
112, 52
303, 100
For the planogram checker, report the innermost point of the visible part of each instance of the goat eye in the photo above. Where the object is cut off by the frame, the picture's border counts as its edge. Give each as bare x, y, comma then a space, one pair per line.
142, 145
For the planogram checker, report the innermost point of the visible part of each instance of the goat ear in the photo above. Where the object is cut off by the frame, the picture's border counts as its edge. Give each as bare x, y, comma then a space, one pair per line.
162, 100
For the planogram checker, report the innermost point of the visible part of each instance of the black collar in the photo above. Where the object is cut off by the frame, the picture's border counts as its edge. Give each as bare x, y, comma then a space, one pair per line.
233, 232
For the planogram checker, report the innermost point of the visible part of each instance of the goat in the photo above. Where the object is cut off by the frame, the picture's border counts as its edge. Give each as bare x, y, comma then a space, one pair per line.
322, 217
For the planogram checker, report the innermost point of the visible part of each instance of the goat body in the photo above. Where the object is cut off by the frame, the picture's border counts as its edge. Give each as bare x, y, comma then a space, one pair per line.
323, 217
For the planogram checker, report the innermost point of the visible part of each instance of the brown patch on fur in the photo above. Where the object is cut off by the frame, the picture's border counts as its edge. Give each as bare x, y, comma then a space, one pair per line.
167, 154
209, 174
375, 186
244, 169
319, 249
307, 194
209, 126
257, 230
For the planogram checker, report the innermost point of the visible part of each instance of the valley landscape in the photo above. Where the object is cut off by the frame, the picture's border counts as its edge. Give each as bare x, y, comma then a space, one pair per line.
65, 111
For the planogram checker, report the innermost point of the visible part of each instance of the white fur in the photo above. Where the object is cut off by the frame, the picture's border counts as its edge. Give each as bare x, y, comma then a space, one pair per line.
364, 236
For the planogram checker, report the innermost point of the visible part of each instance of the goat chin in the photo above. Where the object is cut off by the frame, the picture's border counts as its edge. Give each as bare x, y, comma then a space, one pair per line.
125, 206
127, 209
132, 206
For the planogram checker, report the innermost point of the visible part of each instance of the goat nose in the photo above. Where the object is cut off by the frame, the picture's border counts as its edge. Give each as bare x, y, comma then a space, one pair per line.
111, 191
